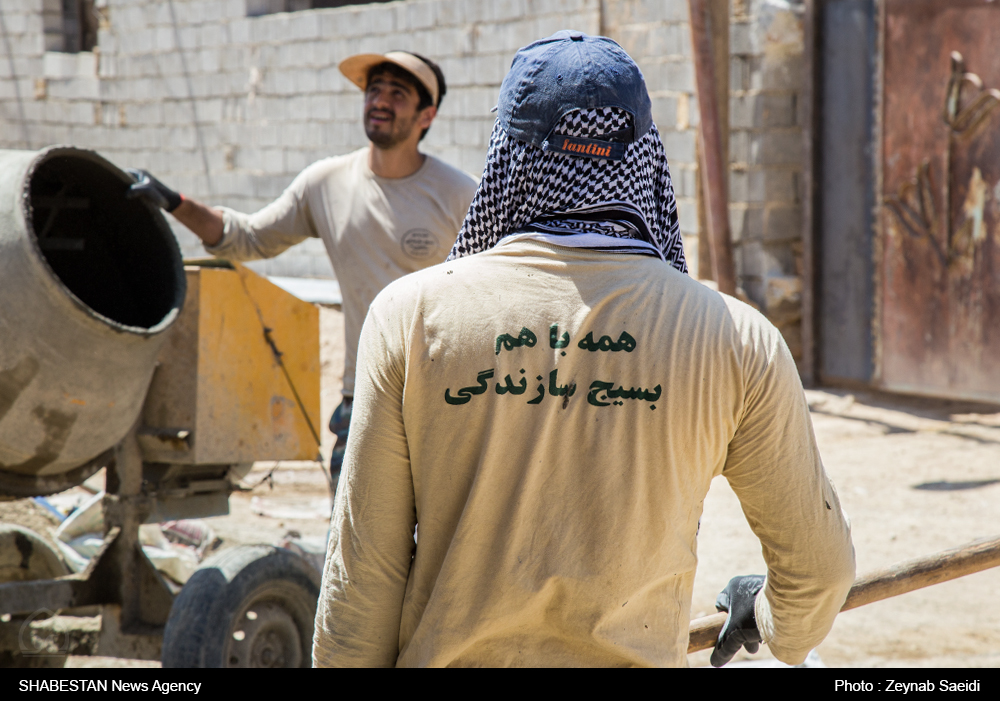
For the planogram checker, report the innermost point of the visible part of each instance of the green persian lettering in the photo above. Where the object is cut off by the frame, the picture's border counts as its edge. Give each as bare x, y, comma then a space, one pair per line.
511, 387
525, 338
554, 341
625, 343
466, 393
597, 387
559, 391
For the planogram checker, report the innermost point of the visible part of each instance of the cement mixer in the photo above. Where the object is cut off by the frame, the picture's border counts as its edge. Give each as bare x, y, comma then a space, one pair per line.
115, 354
89, 283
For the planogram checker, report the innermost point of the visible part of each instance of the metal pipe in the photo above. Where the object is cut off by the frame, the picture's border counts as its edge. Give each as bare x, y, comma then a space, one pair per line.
713, 167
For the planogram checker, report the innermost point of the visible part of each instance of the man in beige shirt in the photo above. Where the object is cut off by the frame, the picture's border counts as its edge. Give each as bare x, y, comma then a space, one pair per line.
536, 425
382, 212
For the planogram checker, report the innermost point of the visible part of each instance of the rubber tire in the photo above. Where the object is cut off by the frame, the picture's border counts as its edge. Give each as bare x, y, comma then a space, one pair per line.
204, 614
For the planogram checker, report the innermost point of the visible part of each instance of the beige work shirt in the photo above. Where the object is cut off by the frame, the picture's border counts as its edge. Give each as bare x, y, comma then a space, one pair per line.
375, 229
552, 418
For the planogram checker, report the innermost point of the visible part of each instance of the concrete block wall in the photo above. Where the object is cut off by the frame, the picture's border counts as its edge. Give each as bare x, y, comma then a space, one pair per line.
228, 107
657, 35
765, 148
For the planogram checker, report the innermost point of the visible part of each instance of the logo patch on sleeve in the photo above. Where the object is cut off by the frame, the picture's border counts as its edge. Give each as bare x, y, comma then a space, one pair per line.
591, 148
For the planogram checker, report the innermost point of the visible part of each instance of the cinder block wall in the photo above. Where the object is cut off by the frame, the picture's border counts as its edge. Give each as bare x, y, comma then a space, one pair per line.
228, 108
657, 35
765, 145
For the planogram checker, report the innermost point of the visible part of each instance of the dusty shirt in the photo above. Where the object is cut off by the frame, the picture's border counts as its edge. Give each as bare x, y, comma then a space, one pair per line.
374, 229
552, 418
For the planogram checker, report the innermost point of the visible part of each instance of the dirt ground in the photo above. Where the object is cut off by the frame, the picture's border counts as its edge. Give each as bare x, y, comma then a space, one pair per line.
916, 476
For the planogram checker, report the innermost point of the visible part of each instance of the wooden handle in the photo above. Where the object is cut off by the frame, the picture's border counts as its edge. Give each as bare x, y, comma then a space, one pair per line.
899, 579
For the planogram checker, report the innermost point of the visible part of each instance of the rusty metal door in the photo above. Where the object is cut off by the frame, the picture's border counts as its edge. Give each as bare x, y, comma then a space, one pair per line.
937, 330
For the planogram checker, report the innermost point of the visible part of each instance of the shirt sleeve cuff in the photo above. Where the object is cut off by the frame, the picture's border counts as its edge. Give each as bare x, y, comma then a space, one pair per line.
762, 615
230, 230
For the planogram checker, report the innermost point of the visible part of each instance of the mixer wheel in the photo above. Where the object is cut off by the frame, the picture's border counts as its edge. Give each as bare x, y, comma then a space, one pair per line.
248, 606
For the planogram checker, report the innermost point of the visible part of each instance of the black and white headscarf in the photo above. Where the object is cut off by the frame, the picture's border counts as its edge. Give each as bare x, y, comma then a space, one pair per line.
526, 189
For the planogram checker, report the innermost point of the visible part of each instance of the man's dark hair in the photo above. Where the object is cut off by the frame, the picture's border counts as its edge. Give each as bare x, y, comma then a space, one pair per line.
424, 96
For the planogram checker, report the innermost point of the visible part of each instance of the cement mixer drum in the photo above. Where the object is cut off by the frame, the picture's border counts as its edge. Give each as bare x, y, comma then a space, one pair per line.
89, 282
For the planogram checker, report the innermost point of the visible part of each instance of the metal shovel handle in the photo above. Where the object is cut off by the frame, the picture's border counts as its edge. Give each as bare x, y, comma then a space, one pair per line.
899, 579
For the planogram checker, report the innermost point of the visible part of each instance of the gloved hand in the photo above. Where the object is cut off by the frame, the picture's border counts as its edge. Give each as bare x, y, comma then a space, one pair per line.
741, 625
151, 189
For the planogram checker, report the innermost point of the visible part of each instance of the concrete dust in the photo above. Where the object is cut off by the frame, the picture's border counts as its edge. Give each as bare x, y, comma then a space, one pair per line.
27, 514
98, 662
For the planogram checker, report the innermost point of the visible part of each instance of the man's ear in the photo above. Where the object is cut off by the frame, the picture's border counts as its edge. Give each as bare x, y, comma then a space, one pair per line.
427, 116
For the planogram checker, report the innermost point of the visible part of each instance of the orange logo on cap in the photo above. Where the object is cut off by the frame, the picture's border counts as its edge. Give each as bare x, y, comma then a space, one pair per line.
588, 149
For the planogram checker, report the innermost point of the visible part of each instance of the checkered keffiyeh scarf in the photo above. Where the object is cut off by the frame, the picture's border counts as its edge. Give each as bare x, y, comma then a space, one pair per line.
526, 189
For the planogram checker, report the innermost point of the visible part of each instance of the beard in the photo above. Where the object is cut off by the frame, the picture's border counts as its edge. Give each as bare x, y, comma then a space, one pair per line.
386, 135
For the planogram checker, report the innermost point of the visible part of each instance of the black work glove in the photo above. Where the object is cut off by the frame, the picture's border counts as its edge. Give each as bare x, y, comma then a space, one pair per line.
741, 625
152, 190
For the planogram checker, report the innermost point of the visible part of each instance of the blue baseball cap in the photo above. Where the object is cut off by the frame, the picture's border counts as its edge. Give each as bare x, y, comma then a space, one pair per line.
569, 71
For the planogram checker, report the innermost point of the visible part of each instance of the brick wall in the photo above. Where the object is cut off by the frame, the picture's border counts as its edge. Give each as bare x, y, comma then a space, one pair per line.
248, 101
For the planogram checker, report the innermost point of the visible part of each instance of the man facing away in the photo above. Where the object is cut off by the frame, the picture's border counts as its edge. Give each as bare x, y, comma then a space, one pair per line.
548, 408
382, 212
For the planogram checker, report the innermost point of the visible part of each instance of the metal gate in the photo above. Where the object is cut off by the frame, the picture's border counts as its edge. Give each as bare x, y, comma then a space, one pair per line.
928, 321
939, 307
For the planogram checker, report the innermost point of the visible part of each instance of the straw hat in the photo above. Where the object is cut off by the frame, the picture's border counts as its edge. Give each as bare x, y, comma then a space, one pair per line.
356, 69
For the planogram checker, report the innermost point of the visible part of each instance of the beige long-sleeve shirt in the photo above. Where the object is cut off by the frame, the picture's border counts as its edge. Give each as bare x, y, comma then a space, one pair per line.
375, 229
552, 418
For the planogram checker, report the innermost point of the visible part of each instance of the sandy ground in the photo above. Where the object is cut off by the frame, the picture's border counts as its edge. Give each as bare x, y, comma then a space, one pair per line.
916, 476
